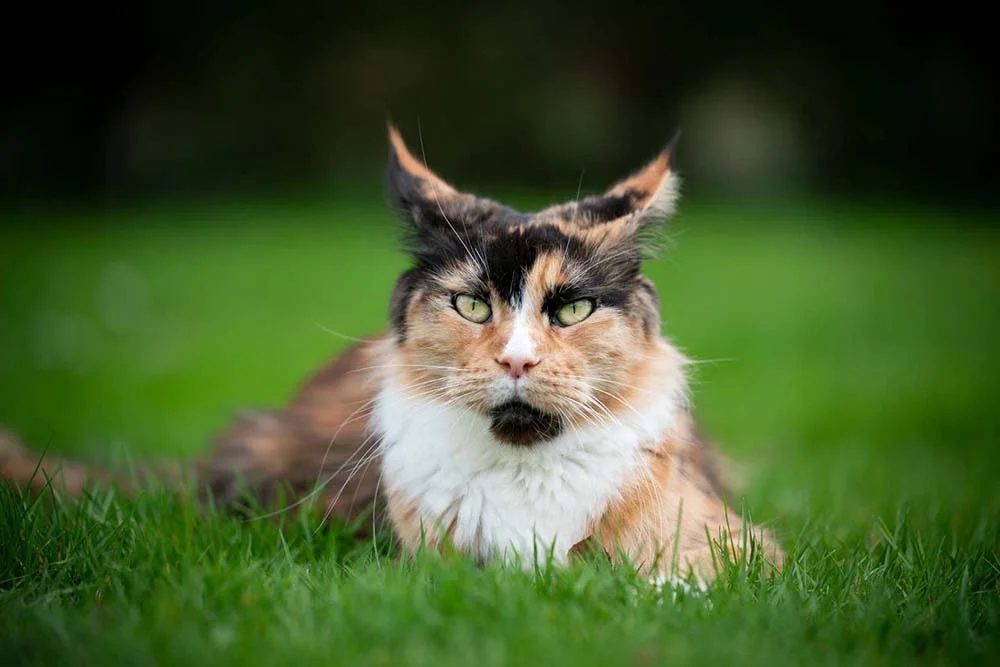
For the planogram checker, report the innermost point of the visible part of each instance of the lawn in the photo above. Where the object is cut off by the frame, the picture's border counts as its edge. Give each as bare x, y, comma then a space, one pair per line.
850, 368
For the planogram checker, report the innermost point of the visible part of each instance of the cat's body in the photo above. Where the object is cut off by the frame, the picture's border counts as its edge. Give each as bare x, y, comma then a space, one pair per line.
444, 463
523, 402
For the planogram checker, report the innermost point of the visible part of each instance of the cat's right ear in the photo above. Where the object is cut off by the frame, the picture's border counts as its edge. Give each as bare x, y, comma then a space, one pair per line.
422, 198
434, 213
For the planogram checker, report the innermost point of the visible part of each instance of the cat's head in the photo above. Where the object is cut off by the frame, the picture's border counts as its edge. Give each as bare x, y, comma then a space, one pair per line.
540, 322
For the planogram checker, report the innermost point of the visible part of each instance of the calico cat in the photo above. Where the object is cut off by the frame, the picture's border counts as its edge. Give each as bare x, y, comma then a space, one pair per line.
522, 401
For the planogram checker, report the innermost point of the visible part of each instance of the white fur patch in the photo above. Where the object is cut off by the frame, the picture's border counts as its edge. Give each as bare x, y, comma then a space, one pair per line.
505, 499
520, 345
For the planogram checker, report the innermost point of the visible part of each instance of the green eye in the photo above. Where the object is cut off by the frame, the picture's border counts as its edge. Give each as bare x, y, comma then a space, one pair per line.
472, 308
574, 313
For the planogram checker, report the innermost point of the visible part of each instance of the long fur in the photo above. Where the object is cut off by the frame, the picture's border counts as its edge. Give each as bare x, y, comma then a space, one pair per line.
512, 435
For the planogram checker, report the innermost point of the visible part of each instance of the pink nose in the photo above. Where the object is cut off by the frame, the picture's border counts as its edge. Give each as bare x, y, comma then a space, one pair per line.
517, 366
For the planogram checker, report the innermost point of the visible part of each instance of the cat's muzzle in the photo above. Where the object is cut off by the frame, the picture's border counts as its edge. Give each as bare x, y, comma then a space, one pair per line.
517, 422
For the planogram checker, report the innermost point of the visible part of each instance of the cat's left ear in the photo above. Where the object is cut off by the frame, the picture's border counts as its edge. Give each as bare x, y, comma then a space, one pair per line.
648, 196
633, 206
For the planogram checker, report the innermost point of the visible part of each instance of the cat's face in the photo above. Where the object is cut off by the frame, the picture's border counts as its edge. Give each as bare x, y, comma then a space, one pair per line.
541, 321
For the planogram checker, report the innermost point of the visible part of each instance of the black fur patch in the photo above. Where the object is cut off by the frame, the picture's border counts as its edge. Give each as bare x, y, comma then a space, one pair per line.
462, 228
510, 256
400, 298
429, 217
521, 424
598, 209
507, 255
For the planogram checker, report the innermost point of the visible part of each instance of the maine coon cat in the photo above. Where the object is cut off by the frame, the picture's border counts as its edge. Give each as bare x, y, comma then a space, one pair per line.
522, 401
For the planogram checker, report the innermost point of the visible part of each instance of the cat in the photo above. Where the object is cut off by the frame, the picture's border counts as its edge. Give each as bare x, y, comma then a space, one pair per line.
522, 400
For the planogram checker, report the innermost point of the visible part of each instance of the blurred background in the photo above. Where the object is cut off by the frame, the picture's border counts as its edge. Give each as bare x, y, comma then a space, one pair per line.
193, 216
161, 99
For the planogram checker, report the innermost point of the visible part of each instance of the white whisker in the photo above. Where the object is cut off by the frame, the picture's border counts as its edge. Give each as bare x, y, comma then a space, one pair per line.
477, 258
370, 455
420, 366
340, 335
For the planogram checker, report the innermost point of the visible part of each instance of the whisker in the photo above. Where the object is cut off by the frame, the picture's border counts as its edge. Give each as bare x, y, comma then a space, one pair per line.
373, 452
437, 200
378, 483
696, 362
423, 366
318, 487
597, 420
587, 381
606, 410
340, 335
351, 417
620, 399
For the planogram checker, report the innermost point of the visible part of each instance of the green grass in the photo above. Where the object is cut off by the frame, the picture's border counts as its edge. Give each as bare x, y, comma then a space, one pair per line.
855, 378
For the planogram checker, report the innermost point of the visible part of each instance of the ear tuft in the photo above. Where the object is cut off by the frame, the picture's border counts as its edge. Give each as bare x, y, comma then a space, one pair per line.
655, 190
409, 167
671, 149
645, 196
427, 204
416, 193
632, 210
651, 185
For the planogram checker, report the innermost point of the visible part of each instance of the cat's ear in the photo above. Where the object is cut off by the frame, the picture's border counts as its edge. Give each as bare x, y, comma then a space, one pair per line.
649, 195
634, 209
423, 199
635, 204
412, 186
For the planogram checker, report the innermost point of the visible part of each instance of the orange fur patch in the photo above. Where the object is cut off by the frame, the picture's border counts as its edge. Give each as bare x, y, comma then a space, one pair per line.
414, 166
588, 372
664, 521
644, 183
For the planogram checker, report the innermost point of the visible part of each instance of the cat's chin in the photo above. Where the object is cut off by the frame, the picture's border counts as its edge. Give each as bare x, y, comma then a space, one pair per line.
522, 424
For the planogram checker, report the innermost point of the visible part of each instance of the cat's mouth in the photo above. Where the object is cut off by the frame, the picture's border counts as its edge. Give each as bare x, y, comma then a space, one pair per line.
519, 423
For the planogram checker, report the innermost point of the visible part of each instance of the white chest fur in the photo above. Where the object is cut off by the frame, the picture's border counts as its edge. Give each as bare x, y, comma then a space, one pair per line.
506, 499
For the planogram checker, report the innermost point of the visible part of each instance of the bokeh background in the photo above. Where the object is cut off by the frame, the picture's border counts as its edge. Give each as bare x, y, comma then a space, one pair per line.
168, 98
193, 215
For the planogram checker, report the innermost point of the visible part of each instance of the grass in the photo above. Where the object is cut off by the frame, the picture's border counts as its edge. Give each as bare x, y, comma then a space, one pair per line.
855, 378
